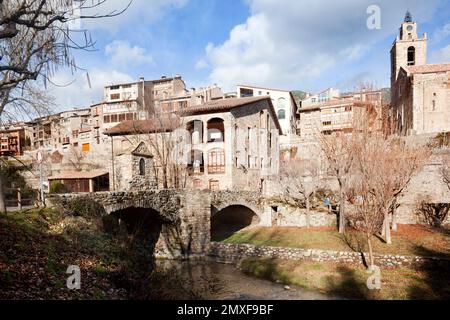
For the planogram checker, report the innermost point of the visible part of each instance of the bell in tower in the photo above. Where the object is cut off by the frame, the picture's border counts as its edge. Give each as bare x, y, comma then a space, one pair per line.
408, 17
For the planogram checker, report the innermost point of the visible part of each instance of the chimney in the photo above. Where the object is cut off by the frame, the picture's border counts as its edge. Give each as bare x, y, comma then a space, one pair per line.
142, 78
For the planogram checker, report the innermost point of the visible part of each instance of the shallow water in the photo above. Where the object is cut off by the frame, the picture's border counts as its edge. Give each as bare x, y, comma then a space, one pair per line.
227, 282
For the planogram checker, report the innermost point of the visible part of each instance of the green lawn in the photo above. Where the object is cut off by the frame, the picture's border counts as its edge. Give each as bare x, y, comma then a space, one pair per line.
409, 240
345, 281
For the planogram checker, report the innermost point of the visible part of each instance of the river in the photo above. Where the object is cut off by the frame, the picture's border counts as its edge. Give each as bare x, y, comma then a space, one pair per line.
216, 281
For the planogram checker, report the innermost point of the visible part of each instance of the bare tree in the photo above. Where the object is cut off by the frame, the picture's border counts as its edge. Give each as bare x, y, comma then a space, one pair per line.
445, 170
338, 152
299, 180
366, 216
36, 39
160, 134
387, 166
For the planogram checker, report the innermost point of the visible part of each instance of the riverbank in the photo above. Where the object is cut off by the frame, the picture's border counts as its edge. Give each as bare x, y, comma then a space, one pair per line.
409, 240
350, 281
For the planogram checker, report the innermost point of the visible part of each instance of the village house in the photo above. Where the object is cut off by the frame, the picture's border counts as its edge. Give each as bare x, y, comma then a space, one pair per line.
285, 106
420, 92
227, 144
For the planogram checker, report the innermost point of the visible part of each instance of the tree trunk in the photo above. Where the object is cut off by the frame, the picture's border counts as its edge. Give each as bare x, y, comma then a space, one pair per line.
371, 258
387, 227
308, 216
342, 214
394, 222
2, 197
383, 228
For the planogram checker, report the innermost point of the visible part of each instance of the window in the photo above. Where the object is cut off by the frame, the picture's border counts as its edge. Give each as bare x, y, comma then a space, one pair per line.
114, 118
214, 185
216, 130
75, 145
246, 93
114, 87
326, 123
142, 167
115, 96
129, 116
86, 147
281, 114
433, 105
348, 108
411, 56
122, 117
216, 161
107, 119
198, 184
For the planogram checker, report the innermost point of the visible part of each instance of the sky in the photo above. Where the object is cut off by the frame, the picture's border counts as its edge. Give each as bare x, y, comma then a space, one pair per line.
307, 45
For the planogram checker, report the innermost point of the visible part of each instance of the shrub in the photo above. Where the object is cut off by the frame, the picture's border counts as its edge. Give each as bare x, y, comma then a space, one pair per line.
58, 188
84, 207
434, 214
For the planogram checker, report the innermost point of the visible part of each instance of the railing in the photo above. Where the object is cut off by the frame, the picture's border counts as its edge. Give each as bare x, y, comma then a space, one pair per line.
14, 198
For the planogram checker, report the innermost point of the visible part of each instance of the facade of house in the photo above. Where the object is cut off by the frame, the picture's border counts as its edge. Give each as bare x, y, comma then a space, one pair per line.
322, 97
12, 142
284, 103
220, 145
420, 92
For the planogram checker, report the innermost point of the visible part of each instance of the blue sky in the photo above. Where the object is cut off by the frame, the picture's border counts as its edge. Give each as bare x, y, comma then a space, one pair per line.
291, 44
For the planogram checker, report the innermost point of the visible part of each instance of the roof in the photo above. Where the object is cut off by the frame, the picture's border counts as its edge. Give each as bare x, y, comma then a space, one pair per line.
429, 68
144, 126
256, 87
223, 105
79, 175
330, 103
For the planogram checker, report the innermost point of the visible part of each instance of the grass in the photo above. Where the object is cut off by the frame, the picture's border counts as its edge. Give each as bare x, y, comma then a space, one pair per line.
413, 240
35, 252
345, 281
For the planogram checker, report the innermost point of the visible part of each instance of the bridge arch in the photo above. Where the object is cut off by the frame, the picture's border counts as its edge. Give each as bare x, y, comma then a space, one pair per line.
231, 218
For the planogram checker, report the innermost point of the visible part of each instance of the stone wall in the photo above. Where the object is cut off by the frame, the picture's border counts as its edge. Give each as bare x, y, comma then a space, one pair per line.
288, 217
184, 217
426, 185
235, 253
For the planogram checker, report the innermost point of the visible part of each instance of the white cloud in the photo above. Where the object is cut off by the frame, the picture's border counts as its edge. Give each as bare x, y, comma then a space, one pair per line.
440, 56
75, 90
286, 43
201, 64
143, 11
441, 34
122, 54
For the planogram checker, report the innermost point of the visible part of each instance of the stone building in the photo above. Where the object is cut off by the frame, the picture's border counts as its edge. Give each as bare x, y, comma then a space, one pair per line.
285, 107
227, 144
420, 92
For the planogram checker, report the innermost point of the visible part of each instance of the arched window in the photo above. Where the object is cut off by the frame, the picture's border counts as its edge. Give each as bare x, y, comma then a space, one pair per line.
282, 103
216, 161
142, 167
216, 130
411, 56
281, 114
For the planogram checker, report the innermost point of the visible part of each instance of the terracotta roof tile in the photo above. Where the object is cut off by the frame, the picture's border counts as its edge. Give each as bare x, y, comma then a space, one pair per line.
429, 68
222, 105
79, 175
144, 126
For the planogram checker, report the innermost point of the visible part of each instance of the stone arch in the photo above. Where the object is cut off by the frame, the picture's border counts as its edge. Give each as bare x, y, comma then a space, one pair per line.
232, 217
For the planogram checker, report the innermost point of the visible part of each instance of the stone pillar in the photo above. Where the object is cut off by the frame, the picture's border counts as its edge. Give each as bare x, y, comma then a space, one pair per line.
91, 185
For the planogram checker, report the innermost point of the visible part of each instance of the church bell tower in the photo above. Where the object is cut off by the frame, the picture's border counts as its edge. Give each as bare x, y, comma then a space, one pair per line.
408, 49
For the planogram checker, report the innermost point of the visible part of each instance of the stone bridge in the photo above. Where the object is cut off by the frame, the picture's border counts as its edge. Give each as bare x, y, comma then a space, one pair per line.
183, 220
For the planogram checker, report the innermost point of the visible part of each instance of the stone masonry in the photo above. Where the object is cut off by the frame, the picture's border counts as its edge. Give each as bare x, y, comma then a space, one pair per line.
235, 253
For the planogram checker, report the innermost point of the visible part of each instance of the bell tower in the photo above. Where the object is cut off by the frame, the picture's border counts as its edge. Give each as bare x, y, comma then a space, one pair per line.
408, 49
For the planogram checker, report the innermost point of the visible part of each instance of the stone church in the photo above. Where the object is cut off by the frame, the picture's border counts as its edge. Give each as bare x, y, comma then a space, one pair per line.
420, 92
